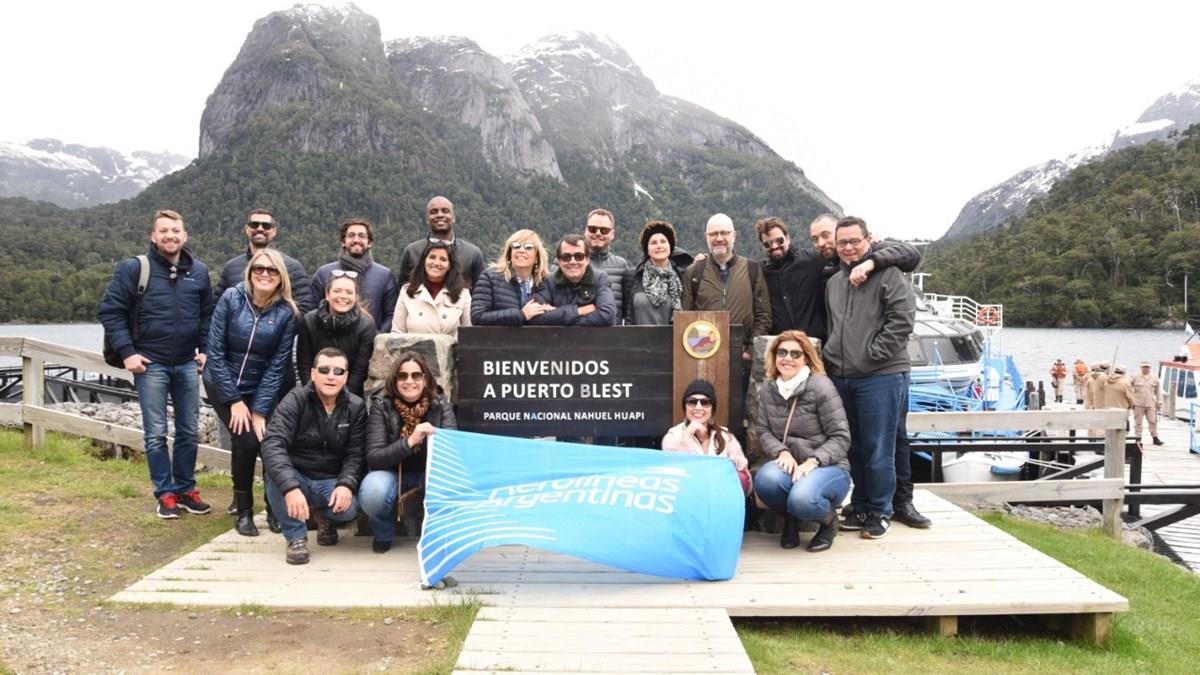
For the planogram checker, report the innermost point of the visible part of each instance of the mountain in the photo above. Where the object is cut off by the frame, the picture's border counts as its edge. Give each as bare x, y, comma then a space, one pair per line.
73, 175
319, 119
1164, 120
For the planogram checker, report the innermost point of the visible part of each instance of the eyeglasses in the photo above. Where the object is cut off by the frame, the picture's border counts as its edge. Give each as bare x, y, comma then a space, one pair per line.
405, 377
794, 354
848, 243
358, 235
701, 402
260, 225
344, 273
324, 370
718, 233
772, 243
265, 269
592, 229
527, 246
568, 257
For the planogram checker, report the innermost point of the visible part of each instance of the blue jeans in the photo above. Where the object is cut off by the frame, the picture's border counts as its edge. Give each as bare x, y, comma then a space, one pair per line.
378, 494
317, 492
813, 497
873, 409
170, 472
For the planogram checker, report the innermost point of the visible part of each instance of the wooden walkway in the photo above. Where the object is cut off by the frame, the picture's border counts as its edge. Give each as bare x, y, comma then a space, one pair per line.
1173, 464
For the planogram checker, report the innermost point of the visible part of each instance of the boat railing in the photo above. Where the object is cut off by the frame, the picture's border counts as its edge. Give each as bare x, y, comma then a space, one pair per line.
962, 307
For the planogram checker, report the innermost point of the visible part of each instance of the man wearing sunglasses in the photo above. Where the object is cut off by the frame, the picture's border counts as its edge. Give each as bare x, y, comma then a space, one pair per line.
313, 454
600, 230
376, 284
261, 230
579, 293
439, 216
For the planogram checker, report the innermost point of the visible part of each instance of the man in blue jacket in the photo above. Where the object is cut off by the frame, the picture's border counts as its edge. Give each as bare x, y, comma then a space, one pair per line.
376, 284
165, 351
579, 293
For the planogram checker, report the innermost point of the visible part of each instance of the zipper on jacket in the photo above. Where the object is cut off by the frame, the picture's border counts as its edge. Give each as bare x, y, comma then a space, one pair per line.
250, 342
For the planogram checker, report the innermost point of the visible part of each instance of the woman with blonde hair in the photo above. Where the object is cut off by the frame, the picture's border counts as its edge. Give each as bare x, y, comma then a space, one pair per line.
802, 428
503, 294
249, 348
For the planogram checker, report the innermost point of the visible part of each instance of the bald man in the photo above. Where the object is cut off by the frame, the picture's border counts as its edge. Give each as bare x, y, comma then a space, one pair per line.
439, 215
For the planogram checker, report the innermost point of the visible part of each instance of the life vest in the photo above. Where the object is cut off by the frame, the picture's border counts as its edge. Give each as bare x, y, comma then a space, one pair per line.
1060, 371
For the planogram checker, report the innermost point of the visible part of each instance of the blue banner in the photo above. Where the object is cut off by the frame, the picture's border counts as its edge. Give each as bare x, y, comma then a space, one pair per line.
661, 513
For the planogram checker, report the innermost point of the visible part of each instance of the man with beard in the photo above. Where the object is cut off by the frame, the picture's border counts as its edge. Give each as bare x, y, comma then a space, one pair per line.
439, 215
376, 284
725, 281
261, 230
600, 230
161, 332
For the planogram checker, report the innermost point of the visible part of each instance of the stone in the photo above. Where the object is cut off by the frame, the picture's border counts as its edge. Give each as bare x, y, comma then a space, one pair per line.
437, 350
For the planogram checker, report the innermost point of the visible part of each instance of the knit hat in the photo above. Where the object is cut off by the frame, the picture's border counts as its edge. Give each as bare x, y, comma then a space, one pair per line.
657, 227
701, 388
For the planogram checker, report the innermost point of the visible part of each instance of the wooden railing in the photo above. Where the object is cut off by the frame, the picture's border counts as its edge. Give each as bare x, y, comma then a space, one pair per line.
36, 418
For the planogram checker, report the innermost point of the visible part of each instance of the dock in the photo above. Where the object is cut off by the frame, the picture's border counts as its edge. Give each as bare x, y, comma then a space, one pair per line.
1173, 464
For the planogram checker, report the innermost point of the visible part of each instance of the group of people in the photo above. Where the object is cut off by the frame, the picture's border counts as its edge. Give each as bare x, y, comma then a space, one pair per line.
284, 359
1105, 385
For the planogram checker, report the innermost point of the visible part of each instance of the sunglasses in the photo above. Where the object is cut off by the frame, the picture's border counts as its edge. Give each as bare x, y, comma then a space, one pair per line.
794, 354
260, 225
772, 243
405, 377
526, 246
592, 229
568, 257
264, 269
324, 370
702, 402
351, 274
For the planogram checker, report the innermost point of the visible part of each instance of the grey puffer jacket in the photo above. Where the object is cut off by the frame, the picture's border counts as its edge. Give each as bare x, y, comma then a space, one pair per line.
819, 427
617, 268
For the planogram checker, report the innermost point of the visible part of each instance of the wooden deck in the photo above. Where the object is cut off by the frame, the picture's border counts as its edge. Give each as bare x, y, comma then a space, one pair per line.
1173, 464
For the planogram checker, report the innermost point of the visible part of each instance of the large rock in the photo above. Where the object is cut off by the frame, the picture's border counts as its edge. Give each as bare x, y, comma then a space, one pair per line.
437, 350
129, 414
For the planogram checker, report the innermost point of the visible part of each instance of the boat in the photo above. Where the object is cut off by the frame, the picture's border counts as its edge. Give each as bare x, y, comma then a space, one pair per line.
1177, 378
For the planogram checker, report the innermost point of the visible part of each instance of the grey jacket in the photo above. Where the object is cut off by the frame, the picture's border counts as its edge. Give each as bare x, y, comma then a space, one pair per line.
617, 268
819, 427
869, 325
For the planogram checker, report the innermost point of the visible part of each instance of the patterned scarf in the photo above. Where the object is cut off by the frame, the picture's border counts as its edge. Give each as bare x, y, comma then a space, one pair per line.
411, 414
661, 285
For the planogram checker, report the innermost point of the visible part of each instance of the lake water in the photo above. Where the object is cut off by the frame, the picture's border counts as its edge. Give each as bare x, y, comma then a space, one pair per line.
1033, 348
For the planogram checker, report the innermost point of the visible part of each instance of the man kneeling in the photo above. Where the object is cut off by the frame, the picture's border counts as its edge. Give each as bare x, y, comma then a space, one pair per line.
313, 455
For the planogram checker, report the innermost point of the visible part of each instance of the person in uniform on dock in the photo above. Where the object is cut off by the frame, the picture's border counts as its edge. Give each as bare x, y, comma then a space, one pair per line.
1079, 379
439, 216
313, 453
1095, 397
165, 351
1058, 378
1147, 402
1116, 391
376, 285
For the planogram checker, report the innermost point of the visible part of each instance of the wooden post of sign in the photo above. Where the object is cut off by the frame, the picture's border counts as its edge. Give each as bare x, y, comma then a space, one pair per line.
701, 348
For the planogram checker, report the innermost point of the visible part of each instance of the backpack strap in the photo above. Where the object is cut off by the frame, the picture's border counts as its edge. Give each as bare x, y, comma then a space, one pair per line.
143, 274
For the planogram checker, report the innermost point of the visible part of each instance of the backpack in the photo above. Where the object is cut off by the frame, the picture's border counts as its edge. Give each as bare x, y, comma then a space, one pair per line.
111, 356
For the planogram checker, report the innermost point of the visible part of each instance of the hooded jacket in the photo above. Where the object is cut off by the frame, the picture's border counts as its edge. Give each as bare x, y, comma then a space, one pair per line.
248, 350
568, 297
302, 437
869, 325
352, 332
175, 312
819, 428
1116, 392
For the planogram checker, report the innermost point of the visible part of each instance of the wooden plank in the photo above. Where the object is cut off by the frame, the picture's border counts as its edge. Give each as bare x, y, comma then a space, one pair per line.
10, 414
1114, 469
607, 663
1026, 491
33, 386
1095, 628
944, 626
1033, 420
84, 359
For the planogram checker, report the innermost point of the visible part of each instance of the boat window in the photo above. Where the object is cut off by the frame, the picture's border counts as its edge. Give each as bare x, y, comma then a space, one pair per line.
1167, 380
1187, 384
943, 350
916, 356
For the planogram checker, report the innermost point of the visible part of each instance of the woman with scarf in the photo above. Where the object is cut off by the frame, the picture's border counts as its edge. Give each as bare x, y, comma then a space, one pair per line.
434, 300
403, 416
339, 321
653, 289
249, 349
503, 294
802, 429
699, 433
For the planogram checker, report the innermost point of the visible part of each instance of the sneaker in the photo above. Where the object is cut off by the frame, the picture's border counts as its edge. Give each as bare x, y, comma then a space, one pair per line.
909, 515
852, 519
876, 526
327, 534
297, 552
191, 501
381, 545
168, 506
446, 582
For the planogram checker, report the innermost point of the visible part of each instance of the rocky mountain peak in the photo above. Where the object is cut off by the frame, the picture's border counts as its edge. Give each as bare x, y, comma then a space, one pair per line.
73, 175
576, 66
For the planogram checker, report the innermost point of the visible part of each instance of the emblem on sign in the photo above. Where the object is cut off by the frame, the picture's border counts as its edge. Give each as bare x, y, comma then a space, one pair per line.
701, 339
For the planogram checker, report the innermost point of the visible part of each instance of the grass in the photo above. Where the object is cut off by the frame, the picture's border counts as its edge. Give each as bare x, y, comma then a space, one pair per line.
1157, 635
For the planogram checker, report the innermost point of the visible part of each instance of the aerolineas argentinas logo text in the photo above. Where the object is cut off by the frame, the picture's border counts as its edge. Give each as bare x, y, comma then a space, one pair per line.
652, 490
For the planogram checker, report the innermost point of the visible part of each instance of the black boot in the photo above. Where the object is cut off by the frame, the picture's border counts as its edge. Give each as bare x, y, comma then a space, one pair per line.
791, 533
232, 510
272, 522
245, 513
1156, 441
823, 539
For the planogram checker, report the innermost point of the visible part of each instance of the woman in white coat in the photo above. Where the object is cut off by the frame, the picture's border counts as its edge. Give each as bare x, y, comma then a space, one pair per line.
435, 299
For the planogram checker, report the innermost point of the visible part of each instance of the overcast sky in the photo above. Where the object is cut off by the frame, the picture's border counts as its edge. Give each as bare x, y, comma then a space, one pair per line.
899, 111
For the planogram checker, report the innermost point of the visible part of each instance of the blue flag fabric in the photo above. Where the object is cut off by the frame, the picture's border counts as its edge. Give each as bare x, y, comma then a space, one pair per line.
661, 513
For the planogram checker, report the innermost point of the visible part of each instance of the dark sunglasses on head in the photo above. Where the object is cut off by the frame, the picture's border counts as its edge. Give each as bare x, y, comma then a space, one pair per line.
344, 273
260, 225
592, 229
702, 402
405, 377
772, 243
794, 354
527, 245
264, 269
324, 370
567, 257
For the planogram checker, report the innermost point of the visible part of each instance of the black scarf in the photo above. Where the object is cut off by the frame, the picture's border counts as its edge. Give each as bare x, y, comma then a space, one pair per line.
360, 265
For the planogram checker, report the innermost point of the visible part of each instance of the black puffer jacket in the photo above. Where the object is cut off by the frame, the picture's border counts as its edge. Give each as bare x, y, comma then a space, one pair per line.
302, 438
351, 332
234, 273
495, 301
386, 449
617, 269
819, 427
